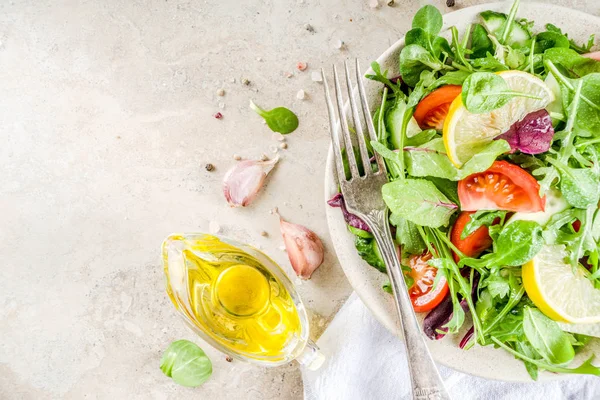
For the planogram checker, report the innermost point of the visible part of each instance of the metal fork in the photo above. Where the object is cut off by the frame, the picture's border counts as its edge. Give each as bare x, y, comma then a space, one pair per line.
362, 195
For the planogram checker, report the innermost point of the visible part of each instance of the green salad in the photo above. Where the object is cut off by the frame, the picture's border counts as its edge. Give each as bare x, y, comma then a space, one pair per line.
491, 138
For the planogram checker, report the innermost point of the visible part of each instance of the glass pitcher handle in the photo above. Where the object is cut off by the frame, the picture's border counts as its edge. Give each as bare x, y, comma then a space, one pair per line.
311, 357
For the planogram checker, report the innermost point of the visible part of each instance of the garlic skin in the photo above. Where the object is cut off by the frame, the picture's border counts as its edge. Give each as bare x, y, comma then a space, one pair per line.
244, 180
305, 249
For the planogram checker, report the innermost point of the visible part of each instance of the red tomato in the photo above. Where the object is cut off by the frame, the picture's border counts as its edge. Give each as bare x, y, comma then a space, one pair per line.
504, 186
432, 110
422, 295
474, 244
577, 225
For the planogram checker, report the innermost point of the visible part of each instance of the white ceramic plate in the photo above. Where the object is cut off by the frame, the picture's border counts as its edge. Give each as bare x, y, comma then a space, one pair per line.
481, 361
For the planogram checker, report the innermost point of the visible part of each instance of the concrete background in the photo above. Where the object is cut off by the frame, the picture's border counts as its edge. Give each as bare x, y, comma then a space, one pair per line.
106, 116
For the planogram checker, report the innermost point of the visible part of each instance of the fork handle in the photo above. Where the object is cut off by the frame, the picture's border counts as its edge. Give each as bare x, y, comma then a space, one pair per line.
425, 379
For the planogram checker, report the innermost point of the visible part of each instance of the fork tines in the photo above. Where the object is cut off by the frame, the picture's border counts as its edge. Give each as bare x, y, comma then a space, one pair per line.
340, 121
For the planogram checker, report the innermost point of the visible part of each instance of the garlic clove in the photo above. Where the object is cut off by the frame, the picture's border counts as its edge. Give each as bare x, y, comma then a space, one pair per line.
304, 248
244, 180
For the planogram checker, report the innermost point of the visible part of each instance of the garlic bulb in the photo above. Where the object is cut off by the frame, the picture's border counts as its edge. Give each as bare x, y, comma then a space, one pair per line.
304, 248
243, 181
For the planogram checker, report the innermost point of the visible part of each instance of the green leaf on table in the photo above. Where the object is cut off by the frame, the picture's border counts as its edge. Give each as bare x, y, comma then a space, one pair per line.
429, 19
547, 338
279, 119
418, 201
415, 59
186, 363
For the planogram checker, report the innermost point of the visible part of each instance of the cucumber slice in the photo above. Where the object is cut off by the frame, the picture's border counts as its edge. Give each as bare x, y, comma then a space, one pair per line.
394, 124
494, 23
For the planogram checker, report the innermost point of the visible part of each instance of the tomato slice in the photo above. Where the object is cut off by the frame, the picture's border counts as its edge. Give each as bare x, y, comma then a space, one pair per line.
474, 244
504, 186
432, 110
422, 294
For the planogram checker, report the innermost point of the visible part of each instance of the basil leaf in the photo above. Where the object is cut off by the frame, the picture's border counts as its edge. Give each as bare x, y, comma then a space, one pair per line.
547, 338
186, 363
429, 19
418, 201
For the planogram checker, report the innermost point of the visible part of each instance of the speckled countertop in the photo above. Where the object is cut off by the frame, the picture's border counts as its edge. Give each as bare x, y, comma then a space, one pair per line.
106, 114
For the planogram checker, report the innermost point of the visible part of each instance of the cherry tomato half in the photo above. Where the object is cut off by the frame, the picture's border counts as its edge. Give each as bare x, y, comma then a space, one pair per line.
504, 186
423, 295
474, 244
432, 110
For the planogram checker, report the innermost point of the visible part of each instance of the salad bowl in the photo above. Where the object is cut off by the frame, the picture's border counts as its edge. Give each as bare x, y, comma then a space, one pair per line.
486, 362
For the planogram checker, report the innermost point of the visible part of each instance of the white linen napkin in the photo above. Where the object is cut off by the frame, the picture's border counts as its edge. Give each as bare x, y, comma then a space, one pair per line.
365, 361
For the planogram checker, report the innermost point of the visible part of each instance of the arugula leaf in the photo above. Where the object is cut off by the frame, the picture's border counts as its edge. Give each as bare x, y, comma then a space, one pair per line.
578, 48
418, 201
429, 19
546, 337
450, 78
407, 235
382, 77
488, 63
482, 218
415, 59
448, 188
186, 363
579, 186
481, 44
517, 243
497, 286
586, 368
420, 138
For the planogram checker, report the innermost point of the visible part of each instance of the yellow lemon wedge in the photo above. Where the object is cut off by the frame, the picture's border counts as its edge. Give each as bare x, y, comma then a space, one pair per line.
559, 292
465, 133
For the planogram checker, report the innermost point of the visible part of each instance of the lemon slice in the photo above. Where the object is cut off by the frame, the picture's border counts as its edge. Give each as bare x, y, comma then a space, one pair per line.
558, 292
465, 134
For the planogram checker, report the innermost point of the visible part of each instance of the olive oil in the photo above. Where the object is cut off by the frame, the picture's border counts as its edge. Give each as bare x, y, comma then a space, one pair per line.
233, 298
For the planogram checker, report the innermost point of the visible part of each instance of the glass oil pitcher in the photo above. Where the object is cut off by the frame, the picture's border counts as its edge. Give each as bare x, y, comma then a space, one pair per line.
238, 300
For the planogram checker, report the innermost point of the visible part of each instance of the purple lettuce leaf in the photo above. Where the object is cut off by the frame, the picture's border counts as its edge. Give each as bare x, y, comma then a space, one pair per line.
351, 219
442, 314
532, 135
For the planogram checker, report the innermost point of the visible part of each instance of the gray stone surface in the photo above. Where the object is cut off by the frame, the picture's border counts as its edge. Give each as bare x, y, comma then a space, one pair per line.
106, 118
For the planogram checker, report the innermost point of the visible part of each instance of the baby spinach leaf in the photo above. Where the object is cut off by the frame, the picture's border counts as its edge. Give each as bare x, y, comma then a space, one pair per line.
548, 40
576, 65
279, 119
439, 46
578, 48
418, 201
367, 249
186, 363
413, 60
450, 78
420, 138
447, 187
429, 19
482, 218
481, 44
518, 243
547, 338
